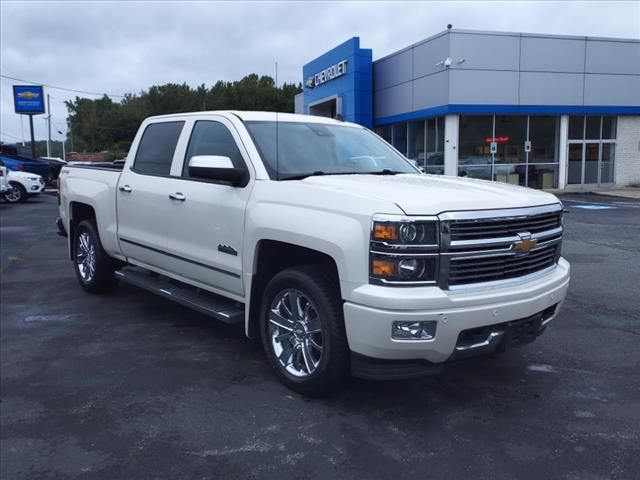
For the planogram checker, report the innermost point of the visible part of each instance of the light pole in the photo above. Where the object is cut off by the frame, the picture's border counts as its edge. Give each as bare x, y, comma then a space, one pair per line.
64, 155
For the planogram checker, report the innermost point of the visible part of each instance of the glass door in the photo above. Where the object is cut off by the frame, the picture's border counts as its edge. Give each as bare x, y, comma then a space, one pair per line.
591, 160
607, 163
574, 174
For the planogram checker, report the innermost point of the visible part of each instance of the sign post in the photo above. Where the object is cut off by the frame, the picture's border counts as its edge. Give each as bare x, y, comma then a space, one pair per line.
29, 100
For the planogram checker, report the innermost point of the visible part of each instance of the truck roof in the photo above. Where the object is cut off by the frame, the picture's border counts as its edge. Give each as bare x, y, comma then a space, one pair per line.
261, 116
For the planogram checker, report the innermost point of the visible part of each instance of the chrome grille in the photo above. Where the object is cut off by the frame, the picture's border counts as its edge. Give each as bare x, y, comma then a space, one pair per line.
503, 227
500, 267
486, 246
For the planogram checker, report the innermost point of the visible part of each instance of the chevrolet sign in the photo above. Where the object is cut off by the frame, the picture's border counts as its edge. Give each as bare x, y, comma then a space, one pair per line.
331, 73
28, 99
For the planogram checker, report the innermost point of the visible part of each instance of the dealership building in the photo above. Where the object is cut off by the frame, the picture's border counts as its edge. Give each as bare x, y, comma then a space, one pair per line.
545, 111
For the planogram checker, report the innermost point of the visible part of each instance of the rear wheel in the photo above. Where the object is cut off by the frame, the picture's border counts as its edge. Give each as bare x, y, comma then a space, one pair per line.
17, 193
302, 329
94, 268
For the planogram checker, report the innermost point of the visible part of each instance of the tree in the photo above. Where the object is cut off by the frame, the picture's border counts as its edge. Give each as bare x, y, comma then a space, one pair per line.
104, 125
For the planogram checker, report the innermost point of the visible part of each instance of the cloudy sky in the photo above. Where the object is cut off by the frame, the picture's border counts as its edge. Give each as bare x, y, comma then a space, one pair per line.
119, 47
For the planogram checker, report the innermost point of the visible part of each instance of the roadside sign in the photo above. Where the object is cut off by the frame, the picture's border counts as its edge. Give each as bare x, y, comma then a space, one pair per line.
28, 99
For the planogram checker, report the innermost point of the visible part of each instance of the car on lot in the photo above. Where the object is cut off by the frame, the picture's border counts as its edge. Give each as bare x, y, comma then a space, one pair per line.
322, 240
23, 185
4, 184
18, 163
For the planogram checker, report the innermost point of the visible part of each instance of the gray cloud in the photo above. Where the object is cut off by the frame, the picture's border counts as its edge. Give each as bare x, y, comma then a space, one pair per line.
120, 47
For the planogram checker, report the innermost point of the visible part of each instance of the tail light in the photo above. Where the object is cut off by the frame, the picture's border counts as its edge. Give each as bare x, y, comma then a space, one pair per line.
58, 184
21, 167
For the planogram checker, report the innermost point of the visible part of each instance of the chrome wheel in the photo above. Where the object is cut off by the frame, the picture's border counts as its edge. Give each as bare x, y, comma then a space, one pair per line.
14, 195
85, 257
295, 332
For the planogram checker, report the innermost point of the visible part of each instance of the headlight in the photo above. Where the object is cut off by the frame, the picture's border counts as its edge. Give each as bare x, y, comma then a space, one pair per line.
409, 269
405, 232
404, 250
33, 179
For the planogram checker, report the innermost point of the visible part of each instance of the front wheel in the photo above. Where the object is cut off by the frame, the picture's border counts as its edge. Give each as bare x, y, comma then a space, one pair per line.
17, 193
94, 268
302, 329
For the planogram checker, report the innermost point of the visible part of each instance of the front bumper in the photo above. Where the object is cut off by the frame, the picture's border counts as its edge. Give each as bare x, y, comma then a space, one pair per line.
368, 320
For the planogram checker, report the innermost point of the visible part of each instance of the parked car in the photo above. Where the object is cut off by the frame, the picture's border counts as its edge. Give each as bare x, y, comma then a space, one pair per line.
4, 183
322, 240
23, 185
24, 164
55, 165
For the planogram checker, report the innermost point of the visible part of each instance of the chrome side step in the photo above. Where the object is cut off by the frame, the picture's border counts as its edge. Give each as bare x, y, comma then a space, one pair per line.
207, 303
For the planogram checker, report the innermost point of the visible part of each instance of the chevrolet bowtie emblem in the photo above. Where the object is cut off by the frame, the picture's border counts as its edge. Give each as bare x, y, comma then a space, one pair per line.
525, 244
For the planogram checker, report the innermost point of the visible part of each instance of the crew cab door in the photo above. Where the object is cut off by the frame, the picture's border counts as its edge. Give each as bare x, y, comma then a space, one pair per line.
142, 196
205, 218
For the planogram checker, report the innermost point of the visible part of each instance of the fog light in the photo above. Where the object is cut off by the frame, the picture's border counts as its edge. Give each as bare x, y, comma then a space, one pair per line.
413, 330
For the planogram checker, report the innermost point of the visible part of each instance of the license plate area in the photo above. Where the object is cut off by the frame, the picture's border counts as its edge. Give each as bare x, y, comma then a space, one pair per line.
521, 332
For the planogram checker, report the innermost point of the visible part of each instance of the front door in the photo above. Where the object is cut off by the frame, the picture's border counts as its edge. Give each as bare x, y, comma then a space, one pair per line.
590, 163
206, 223
142, 195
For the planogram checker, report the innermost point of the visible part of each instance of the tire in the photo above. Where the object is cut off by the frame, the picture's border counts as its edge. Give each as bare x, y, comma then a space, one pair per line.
93, 267
291, 344
17, 194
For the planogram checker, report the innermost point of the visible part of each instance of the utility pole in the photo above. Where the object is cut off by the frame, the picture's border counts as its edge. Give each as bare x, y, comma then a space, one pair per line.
22, 128
48, 126
64, 154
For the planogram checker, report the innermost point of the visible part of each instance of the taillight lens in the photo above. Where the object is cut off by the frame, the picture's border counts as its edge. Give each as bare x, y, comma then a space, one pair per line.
21, 167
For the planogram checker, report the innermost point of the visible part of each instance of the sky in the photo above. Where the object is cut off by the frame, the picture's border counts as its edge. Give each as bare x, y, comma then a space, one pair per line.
126, 47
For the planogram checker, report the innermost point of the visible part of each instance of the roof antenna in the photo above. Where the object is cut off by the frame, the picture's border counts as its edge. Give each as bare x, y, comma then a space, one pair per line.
277, 128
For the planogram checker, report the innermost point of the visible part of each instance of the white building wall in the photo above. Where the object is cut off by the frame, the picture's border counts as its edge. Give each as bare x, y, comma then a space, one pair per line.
628, 150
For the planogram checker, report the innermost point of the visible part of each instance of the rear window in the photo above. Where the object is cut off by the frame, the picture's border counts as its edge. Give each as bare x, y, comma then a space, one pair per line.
156, 149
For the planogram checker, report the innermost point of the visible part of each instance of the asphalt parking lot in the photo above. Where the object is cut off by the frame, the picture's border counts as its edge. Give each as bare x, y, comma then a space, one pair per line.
130, 386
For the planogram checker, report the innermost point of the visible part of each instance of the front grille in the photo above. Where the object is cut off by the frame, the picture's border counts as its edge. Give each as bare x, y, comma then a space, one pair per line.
476, 229
488, 246
500, 267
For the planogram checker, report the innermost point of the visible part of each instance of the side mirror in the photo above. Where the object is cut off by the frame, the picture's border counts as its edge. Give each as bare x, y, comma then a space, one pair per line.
216, 167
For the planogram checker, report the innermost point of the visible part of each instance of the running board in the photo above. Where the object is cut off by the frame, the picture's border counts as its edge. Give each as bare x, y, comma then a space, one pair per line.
204, 302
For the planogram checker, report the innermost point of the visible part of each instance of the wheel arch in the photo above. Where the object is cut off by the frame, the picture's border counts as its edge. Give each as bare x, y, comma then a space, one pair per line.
273, 256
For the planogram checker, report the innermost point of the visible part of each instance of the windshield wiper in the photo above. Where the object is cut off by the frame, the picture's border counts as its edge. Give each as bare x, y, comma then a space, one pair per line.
301, 176
318, 173
384, 171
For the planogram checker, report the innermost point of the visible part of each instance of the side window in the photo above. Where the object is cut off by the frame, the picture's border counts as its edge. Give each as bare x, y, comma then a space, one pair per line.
212, 138
156, 148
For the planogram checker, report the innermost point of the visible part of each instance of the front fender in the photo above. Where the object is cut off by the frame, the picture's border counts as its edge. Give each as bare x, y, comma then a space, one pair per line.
344, 238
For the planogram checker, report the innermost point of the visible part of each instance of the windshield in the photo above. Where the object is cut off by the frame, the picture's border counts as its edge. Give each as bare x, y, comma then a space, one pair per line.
306, 149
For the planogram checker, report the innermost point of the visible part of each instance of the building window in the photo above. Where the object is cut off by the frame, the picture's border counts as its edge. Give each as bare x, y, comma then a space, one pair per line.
474, 152
399, 137
591, 149
520, 150
416, 142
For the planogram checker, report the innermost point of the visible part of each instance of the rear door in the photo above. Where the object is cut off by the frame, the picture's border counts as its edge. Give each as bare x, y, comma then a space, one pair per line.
206, 221
143, 194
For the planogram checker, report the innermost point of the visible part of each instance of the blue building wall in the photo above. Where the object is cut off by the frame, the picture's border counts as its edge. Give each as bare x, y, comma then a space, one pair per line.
355, 87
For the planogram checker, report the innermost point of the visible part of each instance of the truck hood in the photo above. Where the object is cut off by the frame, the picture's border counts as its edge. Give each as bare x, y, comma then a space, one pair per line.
419, 194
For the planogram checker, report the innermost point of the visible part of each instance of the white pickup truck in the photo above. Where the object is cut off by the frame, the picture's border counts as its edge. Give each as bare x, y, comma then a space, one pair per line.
322, 240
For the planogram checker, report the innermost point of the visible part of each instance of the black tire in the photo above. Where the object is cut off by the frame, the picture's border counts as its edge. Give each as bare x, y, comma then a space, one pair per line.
102, 278
18, 195
334, 362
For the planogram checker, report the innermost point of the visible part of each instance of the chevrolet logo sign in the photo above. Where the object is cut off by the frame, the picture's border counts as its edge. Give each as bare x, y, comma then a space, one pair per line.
309, 83
28, 95
525, 244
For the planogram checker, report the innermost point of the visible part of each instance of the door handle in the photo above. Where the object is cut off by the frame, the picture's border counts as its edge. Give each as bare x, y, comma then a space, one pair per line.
179, 196
125, 188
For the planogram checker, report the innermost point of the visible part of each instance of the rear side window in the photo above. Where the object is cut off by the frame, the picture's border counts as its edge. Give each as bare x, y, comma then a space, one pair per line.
156, 149
212, 138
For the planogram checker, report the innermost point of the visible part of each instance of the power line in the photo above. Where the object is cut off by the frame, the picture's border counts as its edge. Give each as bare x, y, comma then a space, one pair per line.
62, 88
